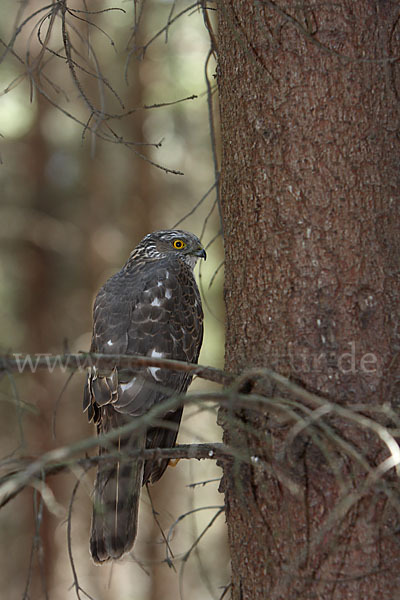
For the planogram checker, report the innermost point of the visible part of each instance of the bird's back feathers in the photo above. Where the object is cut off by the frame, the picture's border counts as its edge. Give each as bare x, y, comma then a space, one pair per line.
151, 307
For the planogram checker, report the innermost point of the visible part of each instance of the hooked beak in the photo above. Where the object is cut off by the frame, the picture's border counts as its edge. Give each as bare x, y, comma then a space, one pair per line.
201, 253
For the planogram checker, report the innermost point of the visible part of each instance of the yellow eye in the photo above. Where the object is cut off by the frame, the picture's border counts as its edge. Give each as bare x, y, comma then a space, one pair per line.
179, 244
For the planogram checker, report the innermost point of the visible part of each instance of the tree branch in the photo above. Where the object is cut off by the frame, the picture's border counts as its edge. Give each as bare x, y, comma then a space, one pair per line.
49, 463
19, 362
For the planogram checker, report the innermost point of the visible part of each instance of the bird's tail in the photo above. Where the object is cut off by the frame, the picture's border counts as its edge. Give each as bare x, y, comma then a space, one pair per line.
116, 501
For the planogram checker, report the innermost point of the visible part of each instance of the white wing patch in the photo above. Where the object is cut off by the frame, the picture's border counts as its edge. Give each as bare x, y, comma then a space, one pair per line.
110, 343
168, 293
153, 371
126, 386
156, 302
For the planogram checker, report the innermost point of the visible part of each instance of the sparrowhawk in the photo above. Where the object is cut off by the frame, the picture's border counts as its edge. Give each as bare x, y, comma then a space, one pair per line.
151, 307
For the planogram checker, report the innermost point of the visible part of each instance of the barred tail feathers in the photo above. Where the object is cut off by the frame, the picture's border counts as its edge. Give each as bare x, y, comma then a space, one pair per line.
116, 501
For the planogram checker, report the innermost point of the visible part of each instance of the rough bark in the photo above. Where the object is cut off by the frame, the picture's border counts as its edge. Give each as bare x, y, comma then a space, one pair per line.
310, 199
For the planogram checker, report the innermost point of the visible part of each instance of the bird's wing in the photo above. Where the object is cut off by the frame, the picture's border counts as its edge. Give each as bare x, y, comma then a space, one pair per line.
153, 312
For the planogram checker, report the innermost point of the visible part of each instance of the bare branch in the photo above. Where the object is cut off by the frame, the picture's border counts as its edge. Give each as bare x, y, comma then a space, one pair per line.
21, 363
60, 459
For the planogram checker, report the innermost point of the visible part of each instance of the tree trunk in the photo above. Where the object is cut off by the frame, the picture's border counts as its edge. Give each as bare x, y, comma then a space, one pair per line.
310, 202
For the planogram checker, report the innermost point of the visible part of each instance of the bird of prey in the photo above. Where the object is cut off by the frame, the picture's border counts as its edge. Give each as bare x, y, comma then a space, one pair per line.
151, 307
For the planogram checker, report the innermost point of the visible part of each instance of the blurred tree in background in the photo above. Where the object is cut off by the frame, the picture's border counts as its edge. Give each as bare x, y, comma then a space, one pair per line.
79, 190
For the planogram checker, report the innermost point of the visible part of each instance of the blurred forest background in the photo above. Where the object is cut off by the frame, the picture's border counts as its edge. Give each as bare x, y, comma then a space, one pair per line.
77, 194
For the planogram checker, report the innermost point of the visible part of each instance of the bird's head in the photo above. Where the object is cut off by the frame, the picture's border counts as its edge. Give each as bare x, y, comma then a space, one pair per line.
172, 242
